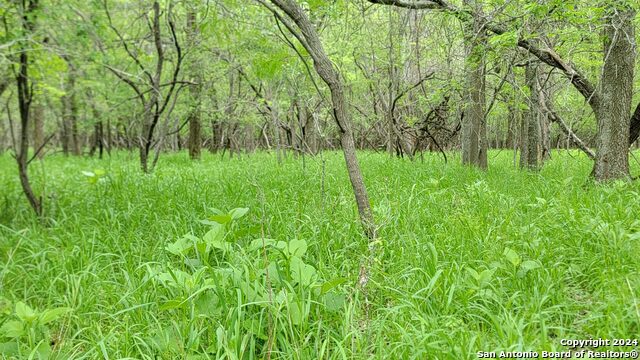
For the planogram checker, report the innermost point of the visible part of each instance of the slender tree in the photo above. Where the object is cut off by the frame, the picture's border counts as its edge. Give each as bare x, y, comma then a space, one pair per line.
27, 11
310, 40
195, 76
150, 93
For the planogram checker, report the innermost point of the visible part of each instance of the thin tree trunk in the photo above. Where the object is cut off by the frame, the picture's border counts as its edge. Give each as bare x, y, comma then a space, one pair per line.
25, 97
38, 128
109, 141
65, 133
72, 112
327, 71
195, 137
530, 143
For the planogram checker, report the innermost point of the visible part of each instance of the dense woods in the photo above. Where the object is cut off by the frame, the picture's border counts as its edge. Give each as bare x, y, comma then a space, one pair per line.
240, 77
427, 101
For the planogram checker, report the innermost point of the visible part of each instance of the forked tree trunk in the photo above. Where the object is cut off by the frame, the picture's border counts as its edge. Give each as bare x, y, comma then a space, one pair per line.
327, 71
616, 91
152, 115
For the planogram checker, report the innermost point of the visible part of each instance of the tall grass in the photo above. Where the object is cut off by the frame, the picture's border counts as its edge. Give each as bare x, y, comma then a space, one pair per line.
448, 278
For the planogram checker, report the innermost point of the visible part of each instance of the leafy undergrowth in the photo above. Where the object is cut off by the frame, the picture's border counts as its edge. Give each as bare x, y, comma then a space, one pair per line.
144, 266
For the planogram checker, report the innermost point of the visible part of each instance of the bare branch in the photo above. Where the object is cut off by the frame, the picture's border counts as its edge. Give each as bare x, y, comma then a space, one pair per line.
121, 75
416, 4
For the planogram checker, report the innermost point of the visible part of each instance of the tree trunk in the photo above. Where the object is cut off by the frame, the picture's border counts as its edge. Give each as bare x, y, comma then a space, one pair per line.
73, 138
616, 90
195, 138
512, 125
109, 141
25, 97
531, 131
327, 71
545, 134
38, 129
152, 112
65, 133
474, 131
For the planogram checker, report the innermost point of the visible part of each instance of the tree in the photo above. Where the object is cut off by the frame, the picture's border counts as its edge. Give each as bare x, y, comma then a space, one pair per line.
614, 94
612, 113
531, 130
154, 100
27, 12
474, 124
195, 76
308, 37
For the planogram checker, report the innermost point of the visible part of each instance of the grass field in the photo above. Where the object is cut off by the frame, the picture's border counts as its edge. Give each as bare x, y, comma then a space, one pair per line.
466, 261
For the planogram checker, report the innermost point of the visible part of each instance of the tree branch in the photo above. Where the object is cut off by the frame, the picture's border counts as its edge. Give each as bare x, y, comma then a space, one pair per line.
416, 4
554, 117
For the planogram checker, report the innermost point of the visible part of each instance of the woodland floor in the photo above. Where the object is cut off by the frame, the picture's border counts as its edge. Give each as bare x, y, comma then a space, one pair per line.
466, 261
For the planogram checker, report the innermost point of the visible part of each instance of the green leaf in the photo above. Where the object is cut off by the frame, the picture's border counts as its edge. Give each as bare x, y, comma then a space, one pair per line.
302, 273
329, 285
50, 315
24, 312
5, 306
12, 329
527, 266
182, 245
255, 327
43, 350
9, 348
297, 309
257, 243
334, 301
207, 304
237, 213
172, 304
297, 248
485, 277
474, 274
274, 274
512, 256
221, 219
215, 236
506, 39
208, 222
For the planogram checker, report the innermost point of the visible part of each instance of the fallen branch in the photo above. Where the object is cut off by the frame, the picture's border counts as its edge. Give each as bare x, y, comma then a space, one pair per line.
554, 117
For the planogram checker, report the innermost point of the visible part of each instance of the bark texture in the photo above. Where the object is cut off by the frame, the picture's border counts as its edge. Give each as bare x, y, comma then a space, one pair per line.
531, 129
474, 129
616, 90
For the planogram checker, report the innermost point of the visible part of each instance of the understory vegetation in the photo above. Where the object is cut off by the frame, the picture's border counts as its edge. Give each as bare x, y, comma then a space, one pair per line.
231, 259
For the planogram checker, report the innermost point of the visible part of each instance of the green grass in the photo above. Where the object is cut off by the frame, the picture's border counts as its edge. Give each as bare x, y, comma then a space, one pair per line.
438, 224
